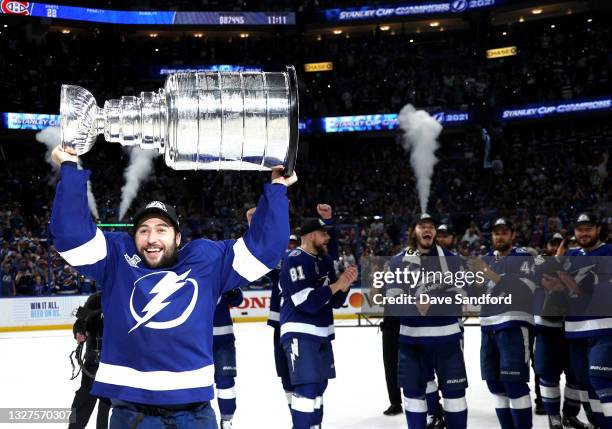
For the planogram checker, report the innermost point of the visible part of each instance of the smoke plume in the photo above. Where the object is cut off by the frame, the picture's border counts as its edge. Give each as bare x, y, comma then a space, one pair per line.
51, 137
420, 139
141, 164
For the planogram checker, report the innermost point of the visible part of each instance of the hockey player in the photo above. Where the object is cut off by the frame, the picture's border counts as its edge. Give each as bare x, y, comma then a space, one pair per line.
590, 331
507, 329
552, 351
430, 342
446, 237
224, 355
310, 291
159, 302
280, 361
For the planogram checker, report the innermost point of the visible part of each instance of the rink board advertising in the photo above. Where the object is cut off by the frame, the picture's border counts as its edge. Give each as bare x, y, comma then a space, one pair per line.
108, 16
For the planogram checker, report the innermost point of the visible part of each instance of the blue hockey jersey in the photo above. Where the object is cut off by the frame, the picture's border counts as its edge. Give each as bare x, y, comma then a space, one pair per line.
223, 327
431, 328
275, 299
592, 271
158, 330
307, 299
545, 264
517, 273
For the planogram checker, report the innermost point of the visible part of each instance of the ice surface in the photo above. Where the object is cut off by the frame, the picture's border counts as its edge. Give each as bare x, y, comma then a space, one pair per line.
35, 372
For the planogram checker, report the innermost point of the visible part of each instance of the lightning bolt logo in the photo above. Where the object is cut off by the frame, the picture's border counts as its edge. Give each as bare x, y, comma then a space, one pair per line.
295, 352
169, 284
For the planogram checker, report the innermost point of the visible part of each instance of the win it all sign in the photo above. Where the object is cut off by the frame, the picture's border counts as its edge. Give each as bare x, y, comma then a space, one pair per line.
44, 309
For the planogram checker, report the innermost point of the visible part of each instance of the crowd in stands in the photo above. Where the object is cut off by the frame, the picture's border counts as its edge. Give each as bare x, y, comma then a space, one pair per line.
540, 177
372, 73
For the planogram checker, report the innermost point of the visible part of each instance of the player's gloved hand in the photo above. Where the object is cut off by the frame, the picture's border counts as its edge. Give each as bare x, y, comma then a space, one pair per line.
347, 278
80, 337
249, 214
277, 176
60, 155
325, 211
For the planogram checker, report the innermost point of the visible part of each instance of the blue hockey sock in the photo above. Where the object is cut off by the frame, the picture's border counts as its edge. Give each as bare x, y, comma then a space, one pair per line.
455, 409
572, 400
551, 396
602, 387
502, 404
226, 396
520, 404
318, 411
415, 408
288, 390
303, 402
432, 397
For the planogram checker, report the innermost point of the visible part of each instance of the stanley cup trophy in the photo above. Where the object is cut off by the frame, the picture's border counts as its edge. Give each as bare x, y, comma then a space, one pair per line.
198, 121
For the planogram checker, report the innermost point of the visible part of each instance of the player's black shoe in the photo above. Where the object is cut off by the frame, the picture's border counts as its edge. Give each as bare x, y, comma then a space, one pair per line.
539, 407
393, 410
435, 421
574, 423
554, 422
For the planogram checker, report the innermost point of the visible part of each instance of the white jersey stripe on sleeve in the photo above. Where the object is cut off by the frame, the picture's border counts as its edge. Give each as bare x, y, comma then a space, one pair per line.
246, 264
89, 253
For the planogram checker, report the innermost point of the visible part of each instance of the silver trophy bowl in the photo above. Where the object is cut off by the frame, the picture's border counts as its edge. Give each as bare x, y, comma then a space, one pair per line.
198, 121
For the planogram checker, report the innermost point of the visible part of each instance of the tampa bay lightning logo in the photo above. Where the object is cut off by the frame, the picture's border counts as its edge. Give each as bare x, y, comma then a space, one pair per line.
458, 5
439, 116
163, 299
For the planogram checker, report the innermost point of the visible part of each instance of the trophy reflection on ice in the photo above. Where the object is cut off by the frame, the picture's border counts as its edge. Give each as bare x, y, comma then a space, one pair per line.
198, 121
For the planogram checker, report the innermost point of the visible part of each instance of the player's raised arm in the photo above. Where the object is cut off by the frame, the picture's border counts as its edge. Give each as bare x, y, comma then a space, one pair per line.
263, 245
76, 237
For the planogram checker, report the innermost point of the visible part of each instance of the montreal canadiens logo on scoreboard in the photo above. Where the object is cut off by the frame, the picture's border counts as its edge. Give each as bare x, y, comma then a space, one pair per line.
15, 7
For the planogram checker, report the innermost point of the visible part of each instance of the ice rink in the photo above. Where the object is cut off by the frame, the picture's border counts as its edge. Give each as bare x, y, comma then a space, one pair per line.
35, 372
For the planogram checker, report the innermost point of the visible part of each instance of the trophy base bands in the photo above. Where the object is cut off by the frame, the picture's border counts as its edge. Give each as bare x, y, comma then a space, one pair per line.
37, 415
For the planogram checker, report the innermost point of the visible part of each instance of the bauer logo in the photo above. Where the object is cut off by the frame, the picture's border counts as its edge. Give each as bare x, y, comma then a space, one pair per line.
15, 7
163, 300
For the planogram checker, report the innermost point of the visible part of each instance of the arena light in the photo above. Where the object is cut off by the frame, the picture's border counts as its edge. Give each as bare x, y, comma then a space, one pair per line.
411, 40
434, 24
521, 19
385, 28
552, 25
65, 31
244, 35
504, 33
6, 25
319, 38
588, 20
337, 32
153, 35
198, 35
156, 49
536, 11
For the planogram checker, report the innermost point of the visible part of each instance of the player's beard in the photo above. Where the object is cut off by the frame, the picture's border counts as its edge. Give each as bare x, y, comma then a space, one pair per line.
321, 249
587, 244
425, 245
502, 247
167, 260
